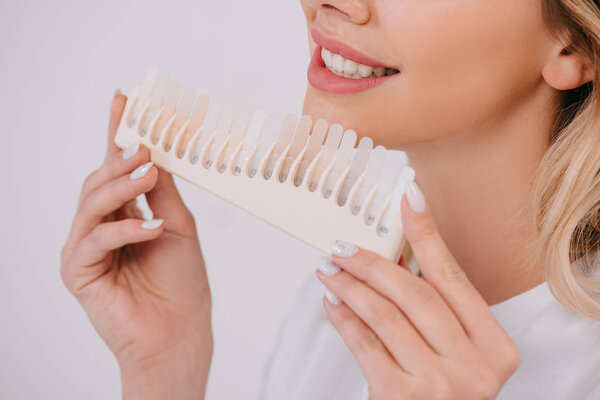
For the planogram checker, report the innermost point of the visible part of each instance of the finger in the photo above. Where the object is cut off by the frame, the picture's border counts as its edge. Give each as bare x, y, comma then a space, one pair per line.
116, 111
110, 197
385, 319
85, 263
375, 362
165, 201
123, 162
441, 270
109, 236
418, 300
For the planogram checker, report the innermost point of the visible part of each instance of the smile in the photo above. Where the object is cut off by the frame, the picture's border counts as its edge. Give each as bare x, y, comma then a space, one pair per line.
338, 68
351, 69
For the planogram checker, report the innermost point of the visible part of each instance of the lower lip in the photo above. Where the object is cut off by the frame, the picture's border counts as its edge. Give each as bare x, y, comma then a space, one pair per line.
323, 79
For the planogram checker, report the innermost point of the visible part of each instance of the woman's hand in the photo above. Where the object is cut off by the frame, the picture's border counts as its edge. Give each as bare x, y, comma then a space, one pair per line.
429, 337
142, 284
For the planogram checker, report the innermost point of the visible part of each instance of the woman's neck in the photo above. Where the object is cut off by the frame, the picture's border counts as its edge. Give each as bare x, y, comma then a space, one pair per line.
479, 187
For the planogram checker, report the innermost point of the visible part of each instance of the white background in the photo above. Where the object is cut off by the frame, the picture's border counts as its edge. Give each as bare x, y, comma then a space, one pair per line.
60, 62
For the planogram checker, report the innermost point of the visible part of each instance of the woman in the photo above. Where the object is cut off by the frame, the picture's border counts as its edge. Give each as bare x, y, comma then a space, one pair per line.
495, 103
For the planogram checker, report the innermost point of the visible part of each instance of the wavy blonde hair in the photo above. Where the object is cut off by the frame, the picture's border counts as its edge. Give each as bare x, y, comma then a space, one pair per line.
566, 195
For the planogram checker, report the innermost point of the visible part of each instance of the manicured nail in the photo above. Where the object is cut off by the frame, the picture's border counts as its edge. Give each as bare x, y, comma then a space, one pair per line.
415, 198
140, 171
130, 151
343, 249
333, 299
117, 91
152, 224
327, 267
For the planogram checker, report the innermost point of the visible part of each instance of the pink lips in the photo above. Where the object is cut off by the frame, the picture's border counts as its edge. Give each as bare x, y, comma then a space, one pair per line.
323, 79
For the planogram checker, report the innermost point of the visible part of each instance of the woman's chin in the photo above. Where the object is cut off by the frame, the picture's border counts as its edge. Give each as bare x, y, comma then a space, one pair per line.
351, 115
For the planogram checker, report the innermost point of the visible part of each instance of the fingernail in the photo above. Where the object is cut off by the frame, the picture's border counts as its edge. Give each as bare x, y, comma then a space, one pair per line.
130, 151
415, 198
327, 267
343, 249
140, 171
152, 224
333, 299
117, 91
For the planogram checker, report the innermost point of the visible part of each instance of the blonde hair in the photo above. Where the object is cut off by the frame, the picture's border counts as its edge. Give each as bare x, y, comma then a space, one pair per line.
566, 195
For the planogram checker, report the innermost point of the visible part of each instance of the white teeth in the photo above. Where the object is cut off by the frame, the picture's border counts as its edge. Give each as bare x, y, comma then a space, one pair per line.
379, 71
337, 62
364, 70
340, 66
350, 67
326, 56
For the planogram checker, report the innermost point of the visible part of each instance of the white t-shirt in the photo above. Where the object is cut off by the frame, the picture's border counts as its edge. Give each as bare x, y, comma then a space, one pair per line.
560, 352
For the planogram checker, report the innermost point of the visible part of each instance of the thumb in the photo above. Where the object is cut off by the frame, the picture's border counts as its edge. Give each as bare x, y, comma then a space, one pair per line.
166, 203
116, 111
420, 228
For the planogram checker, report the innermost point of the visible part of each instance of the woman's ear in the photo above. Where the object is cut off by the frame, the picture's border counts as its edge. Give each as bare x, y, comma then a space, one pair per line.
566, 69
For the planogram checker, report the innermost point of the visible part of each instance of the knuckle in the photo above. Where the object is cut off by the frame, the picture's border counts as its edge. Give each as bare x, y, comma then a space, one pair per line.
373, 267
425, 231
122, 230
86, 187
422, 292
512, 357
439, 387
96, 235
365, 341
486, 384
386, 314
452, 272
65, 276
389, 383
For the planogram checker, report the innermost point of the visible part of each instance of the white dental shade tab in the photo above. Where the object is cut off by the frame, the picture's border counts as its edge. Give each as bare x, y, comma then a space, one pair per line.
326, 189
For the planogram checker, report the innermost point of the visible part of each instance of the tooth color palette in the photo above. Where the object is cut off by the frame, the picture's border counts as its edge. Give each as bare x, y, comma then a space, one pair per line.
308, 178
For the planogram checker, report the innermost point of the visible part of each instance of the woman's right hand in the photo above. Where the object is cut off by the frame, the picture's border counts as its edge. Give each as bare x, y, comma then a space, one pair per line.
143, 285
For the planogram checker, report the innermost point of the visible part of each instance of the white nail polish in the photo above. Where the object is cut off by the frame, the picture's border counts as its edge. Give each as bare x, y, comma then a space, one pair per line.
343, 249
140, 171
130, 151
152, 224
415, 198
327, 267
333, 299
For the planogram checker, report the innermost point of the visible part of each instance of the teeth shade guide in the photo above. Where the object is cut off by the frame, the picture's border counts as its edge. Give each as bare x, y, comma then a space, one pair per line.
329, 149
342, 158
237, 134
167, 112
359, 162
313, 147
144, 96
394, 162
203, 134
370, 178
326, 186
296, 147
220, 134
285, 137
182, 116
250, 143
154, 105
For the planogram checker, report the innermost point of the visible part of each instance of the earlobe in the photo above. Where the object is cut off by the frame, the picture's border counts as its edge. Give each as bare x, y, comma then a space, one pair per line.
567, 70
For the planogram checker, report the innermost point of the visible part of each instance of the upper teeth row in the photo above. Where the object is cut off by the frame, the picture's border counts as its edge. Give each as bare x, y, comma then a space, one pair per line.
350, 69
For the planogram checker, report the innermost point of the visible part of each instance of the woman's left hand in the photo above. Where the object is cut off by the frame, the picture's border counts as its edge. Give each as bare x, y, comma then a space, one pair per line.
429, 337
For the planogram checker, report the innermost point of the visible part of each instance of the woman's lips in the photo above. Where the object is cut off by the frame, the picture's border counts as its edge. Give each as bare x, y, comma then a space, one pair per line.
342, 49
323, 79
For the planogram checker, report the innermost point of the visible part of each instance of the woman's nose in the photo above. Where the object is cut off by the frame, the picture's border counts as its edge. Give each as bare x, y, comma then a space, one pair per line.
357, 11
